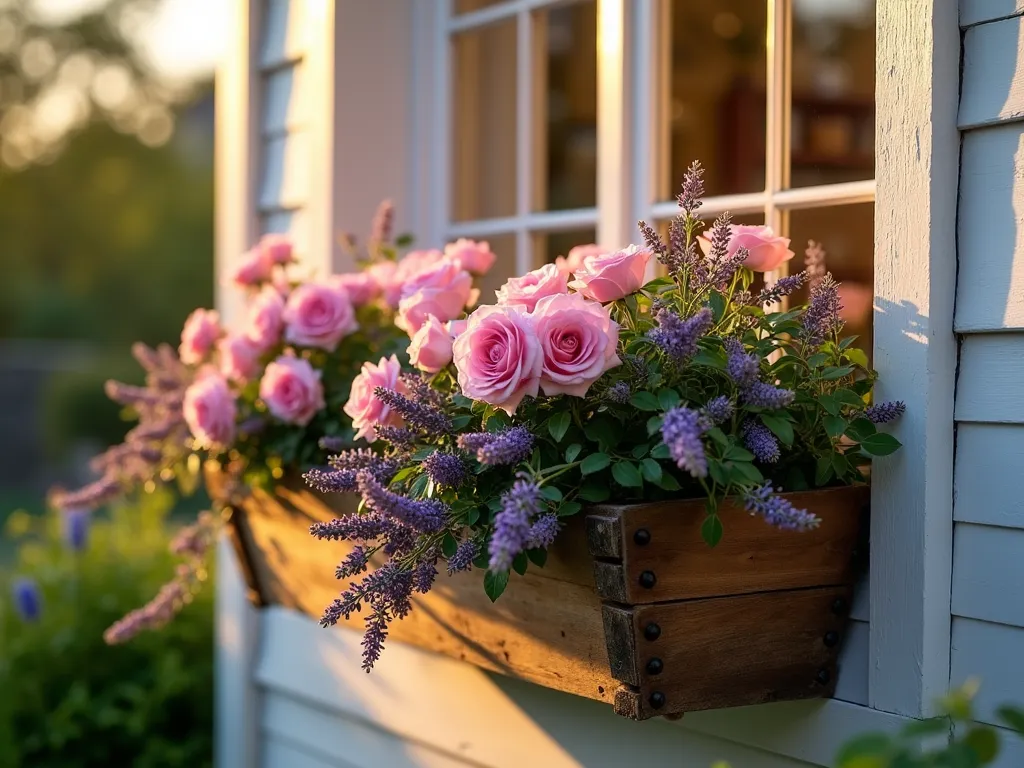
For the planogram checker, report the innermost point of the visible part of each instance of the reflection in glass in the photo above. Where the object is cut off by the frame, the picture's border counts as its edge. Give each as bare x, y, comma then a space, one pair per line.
833, 84
714, 110
504, 247
548, 246
566, 92
484, 122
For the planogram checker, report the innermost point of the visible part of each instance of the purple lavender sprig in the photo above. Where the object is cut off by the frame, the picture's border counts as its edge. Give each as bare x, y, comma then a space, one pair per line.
463, 557
447, 470
761, 442
761, 395
883, 413
784, 286
171, 598
340, 477
75, 524
740, 366
380, 228
510, 446
718, 410
690, 197
778, 511
422, 515
543, 532
356, 527
619, 393
512, 529
822, 316
419, 415
682, 430
28, 601
678, 337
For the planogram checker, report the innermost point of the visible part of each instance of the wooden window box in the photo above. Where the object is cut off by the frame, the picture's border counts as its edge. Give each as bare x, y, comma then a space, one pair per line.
632, 607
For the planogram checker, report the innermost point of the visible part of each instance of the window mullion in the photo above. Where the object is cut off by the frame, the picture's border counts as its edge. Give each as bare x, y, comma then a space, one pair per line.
649, 147
777, 112
524, 134
440, 213
613, 169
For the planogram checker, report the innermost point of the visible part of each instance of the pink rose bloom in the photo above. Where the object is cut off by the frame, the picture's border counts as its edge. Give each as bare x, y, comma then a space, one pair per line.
365, 409
200, 333
291, 389
455, 327
431, 347
276, 249
255, 269
239, 358
499, 357
578, 339
533, 286
857, 301
382, 273
766, 251
442, 290
606, 277
264, 320
574, 260
474, 257
210, 411
361, 287
318, 315
408, 267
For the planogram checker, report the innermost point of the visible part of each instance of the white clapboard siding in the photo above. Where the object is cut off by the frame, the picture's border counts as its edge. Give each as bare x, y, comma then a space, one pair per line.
992, 654
981, 11
988, 574
852, 683
993, 74
989, 388
285, 179
989, 460
276, 752
990, 288
285, 32
285, 100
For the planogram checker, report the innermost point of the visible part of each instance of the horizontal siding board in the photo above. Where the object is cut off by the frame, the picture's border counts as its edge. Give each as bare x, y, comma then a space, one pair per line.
989, 458
993, 78
990, 653
852, 683
277, 752
990, 289
981, 11
285, 33
285, 172
989, 386
988, 574
284, 101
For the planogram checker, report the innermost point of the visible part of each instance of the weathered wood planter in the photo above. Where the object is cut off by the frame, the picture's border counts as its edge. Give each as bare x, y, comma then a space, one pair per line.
632, 608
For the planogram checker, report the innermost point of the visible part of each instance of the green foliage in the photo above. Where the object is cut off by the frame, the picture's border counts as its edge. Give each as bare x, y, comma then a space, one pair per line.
67, 699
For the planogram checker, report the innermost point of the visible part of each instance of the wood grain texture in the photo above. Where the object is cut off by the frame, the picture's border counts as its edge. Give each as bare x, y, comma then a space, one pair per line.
752, 556
990, 288
991, 369
988, 574
988, 652
993, 76
989, 458
982, 11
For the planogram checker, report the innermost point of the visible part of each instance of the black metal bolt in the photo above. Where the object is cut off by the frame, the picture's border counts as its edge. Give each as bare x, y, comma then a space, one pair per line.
831, 639
823, 676
654, 666
648, 579
839, 606
652, 632
642, 537
657, 700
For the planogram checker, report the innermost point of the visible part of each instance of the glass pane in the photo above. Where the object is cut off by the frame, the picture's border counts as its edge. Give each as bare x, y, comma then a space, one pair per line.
714, 107
548, 246
484, 122
465, 6
847, 234
833, 120
504, 247
565, 85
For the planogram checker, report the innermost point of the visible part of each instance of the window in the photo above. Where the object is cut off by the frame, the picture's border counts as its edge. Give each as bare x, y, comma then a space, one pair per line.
775, 97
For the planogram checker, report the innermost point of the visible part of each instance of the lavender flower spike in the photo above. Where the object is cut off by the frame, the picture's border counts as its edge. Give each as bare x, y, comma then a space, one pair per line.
681, 430
761, 395
512, 524
761, 442
463, 557
27, 600
543, 532
76, 528
778, 511
693, 188
822, 316
426, 516
718, 410
784, 286
677, 337
499, 448
883, 413
445, 469
419, 415
619, 393
741, 367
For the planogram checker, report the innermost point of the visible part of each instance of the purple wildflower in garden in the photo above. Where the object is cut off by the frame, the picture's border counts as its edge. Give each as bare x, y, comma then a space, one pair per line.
326, 480
619, 393
194, 540
27, 600
784, 286
543, 532
681, 430
400, 437
423, 575
425, 516
778, 511
387, 592
653, 241
693, 188
761, 395
383, 219
331, 444
354, 527
341, 476
822, 316
678, 337
719, 410
761, 442
91, 496
463, 557
156, 613
512, 529
419, 415
882, 413
75, 525
445, 469
510, 446
354, 563
741, 367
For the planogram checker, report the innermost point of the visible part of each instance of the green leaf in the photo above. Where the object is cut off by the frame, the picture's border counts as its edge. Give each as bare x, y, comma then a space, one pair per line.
521, 563
712, 359
558, 425
1013, 717
403, 473
829, 403
668, 399
595, 462
860, 429
473, 516
639, 451
448, 545
716, 434
572, 452
656, 283
930, 727
870, 750
419, 487
667, 482
849, 397
423, 453
831, 373
718, 472
654, 425
461, 422
651, 470
747, 473
594, 493
735, 453
627, 475
711, 530
817, 360
880, 444
551, 493
495, 583
660, 451
569, 508
717, 302
856, 356
645, 401
538, 557
604, 431
985, 743
780, 427
834, 425
823, 470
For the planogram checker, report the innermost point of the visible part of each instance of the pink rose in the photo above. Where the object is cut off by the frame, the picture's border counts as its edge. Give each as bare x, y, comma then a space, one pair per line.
455, 327
442, 290
365, 409
857, 301
318, 315
200, 333
533, 286
408, 267
210, 411
569, 264
474, 257
766, 252
291, 389
276, 249
382, 273
606, 277
239, 357
499, 357
431, 347
264, 319
578, 339
361, 287
255, 269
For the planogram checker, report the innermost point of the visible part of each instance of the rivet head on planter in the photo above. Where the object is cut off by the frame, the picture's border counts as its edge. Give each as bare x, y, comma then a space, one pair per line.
648, 579
642, 537
823, 676
652, 631
831, 639
655, 666
839, 606
657, 700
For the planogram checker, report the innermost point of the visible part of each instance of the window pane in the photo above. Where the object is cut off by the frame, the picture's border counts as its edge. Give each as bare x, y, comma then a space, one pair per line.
465, 6
833, 66
714, 108
484, 122
565, 88
504, 247
548, 246
847, 233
